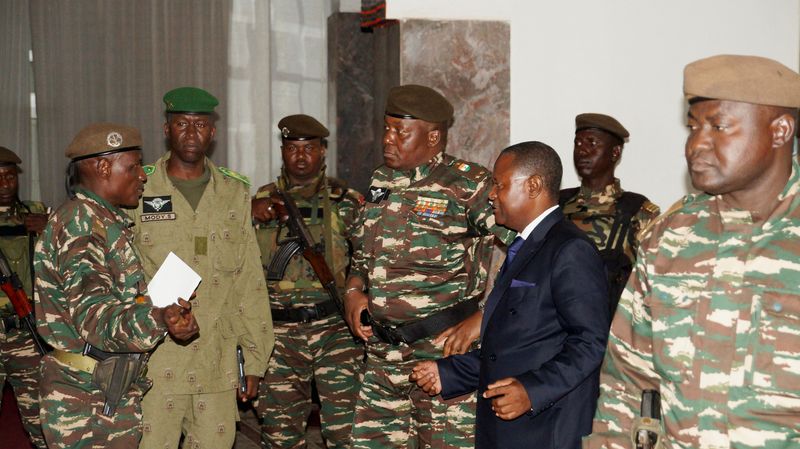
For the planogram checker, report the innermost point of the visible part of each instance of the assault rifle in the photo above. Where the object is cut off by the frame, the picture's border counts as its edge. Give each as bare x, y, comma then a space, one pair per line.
646, 430
12, 287
300, 240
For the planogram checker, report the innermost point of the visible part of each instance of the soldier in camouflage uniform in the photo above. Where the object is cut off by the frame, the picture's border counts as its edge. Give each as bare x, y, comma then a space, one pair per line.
711, 315
89, 295
611, 216
312, 342
420, 265
201, 213
20, 222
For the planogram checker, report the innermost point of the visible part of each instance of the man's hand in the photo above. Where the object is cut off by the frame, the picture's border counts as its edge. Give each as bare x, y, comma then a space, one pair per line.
354, 303
510, 398
263, 209
457, 339
426, 376
35, 222
180, 321
252, 388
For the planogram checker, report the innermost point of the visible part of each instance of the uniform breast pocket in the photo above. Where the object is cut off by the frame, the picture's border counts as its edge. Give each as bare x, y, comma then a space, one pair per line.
673, 305
229, 248
776, 352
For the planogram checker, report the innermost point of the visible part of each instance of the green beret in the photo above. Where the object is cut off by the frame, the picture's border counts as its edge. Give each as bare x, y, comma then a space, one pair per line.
190, 100
301, 127
102, 139
601, 121
418, 102
747, 79
8, 157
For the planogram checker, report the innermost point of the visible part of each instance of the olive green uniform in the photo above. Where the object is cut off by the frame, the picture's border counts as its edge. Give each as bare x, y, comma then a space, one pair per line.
193, 384
320, 350
19, 361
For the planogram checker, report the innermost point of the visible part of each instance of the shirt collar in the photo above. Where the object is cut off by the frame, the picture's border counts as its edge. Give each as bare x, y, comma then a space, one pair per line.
88, 195
532, 225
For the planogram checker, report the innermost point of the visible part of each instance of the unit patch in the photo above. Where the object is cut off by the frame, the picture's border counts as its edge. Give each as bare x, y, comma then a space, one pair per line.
430, 207
157, 208
377, 194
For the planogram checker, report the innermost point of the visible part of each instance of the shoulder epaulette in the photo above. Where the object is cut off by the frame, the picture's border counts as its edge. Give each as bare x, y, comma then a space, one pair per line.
99, 228
672, 209
232, 174
266, 190
149, 169
650, 208
469, 170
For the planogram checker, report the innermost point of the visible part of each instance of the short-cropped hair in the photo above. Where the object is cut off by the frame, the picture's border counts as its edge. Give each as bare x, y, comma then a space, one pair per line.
537, 158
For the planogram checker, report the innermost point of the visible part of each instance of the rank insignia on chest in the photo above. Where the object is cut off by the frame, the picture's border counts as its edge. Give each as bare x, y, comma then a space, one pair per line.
430, 207
377, 194
157, 208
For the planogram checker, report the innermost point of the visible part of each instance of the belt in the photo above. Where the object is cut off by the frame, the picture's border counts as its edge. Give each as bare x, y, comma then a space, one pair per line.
9, 323
85, 361
305, 314
426, 327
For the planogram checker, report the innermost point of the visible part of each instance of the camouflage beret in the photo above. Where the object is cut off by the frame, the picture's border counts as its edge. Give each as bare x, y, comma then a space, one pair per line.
301, 127
8, 157
748, 79
418, 102
102, 139
601, 121
190, 100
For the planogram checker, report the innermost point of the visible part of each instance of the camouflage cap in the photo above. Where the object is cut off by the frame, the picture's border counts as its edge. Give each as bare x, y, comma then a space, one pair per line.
601, 121
102, 139
190, 100
8, 157
418, 102
301, 127
748, 79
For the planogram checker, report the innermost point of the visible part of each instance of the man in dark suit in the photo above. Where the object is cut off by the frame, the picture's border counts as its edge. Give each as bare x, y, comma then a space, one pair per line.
545, 324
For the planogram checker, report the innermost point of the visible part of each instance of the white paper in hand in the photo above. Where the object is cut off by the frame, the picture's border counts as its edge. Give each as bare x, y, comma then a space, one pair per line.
174, 279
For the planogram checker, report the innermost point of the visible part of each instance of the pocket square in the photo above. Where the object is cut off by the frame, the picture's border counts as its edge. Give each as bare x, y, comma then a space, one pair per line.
516, 283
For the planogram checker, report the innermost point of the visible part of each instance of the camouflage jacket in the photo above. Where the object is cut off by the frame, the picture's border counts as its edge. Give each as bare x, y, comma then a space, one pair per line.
711, 318
231, 307
15, 245
424, 243
330, 212
594, 213
88, 278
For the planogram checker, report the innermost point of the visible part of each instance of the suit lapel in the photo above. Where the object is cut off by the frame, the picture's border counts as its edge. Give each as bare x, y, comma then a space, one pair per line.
529, 249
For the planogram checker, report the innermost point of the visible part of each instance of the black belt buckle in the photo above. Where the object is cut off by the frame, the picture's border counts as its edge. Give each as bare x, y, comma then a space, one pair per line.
387, 334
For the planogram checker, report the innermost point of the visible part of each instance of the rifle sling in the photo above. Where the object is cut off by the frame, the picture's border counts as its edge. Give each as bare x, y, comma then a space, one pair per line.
426, 327
305, 314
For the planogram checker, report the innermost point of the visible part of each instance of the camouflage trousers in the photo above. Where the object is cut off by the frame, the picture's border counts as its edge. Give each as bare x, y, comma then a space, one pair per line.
19, 364
391, 412
71, 411
324, 353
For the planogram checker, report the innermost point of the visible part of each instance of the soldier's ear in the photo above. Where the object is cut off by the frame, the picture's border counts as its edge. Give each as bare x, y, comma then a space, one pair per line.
434, 137
783, 130
616, 153
103, 167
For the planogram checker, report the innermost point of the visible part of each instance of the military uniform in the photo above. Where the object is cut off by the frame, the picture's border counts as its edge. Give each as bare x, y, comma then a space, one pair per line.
88, 286
19, 360
598, 214
321, 350
424, 246
231, 307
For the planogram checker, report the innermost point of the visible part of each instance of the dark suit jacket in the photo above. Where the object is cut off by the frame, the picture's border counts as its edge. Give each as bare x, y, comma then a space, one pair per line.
546, 324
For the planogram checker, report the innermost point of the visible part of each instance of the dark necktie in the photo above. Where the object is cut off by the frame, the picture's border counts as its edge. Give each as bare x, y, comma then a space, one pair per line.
512, 252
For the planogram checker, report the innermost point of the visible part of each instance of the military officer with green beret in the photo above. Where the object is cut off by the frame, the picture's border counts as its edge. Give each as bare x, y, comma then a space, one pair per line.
20, 223
419, 269
711, 315
312, 342
201, 213
90, 299
612, 217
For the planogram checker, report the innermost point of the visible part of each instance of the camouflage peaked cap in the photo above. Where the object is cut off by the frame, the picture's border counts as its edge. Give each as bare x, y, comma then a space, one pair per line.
8, 157
601, 121
190, 100
418, 102
102, 139
748, 79
301, 127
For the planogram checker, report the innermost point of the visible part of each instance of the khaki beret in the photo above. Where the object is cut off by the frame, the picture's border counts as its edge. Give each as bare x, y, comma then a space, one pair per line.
301, 127
8, 157
418, 102
102, 139
748, 79
190, 100
601, 121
